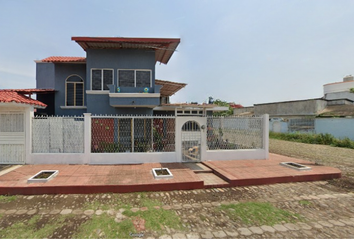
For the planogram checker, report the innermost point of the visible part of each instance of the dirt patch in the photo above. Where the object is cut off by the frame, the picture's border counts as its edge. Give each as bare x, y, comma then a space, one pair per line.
341, 158
69, 228
11, 219
344, 182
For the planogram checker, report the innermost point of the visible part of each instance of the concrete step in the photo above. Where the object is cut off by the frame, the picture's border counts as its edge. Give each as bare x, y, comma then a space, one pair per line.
212, 181
198, 167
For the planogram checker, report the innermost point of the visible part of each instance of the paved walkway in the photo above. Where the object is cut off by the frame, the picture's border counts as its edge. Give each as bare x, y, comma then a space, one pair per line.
134, 178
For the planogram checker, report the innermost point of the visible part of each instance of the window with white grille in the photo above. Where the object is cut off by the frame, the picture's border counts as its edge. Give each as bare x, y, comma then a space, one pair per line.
74, 91
101, 78
134, 78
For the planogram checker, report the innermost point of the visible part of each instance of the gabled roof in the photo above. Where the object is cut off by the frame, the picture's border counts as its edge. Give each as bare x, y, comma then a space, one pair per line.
10, 95
169, 88
164, 47
59, 59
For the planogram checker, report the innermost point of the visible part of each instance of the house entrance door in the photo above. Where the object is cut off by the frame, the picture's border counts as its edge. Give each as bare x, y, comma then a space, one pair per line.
12, 138
191, 142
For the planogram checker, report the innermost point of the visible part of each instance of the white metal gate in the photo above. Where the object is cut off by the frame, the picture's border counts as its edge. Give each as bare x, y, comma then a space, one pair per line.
12, 138
191, 142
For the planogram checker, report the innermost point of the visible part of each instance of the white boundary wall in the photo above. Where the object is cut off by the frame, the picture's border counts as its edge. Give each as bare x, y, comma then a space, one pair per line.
164, 157
243, 154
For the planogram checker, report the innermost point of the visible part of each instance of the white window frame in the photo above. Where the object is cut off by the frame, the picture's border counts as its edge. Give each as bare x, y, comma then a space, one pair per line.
149, 70
83, 90
102, 69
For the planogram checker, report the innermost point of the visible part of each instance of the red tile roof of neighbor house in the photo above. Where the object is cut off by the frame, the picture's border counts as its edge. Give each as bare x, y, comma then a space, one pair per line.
17, 96
164, 47
29, 90
236, 106
60, 59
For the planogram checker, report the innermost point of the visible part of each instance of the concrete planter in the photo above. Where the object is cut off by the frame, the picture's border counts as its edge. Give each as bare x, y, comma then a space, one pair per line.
43, 176
161, 173
295, 166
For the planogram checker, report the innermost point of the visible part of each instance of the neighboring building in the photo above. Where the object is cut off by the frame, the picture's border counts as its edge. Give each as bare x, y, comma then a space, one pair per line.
333, 113
337, 101
16, 111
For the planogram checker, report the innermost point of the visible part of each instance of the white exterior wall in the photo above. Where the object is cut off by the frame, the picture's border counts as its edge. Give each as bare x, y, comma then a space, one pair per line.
15, 147
132, 158
338, 87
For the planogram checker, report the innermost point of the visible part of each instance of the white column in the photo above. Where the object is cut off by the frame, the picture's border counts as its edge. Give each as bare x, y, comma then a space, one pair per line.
178, 147
266, 135
28, 115
87, 137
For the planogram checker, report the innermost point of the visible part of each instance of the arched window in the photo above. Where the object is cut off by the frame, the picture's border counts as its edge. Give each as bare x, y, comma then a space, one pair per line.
74, 91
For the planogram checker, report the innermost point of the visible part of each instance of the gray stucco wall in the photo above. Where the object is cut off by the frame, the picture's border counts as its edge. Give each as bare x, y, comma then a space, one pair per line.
45, 76
340, 95
291, 108
98, 104
120, 59
238, 111
62, 72
117, 59
53, 76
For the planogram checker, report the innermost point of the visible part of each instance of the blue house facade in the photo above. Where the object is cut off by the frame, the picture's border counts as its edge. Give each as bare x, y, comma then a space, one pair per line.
117, 77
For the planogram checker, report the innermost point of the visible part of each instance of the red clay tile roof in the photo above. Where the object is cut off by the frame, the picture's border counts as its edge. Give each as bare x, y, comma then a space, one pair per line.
236, 106
28, 90
58, 59
8, 96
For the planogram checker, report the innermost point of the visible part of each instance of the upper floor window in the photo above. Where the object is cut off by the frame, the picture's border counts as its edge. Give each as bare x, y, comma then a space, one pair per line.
74, 91
100, 78
134, 78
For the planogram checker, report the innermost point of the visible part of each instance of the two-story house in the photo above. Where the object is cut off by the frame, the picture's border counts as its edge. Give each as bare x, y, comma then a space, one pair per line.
117, 77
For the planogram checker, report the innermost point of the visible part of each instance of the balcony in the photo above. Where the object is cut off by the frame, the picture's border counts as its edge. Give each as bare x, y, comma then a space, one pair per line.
134, 97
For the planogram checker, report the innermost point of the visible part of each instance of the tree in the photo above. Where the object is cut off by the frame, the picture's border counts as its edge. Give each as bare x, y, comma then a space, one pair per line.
222, 104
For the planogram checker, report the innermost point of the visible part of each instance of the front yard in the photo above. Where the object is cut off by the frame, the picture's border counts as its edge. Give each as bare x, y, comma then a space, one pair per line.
342, 158
290, 210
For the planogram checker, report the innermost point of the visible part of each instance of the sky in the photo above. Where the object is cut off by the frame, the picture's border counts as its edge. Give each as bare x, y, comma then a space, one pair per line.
242, 51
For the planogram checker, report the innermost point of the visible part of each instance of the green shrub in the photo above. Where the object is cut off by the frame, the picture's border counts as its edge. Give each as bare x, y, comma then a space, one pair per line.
325, 139
312, 138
